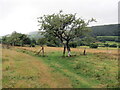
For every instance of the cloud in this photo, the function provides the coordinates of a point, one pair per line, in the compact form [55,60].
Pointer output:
[21,15]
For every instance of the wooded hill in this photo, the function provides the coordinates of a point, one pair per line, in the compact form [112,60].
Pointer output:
[102,30]
[35,34]
[105,30]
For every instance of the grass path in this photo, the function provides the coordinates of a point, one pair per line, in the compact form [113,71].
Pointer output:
[22,70]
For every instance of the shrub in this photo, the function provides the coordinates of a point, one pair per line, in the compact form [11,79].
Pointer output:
[32,45]
[51,45]
[106,45]
[107,38]
[113,45]
[73,44]
[93,45]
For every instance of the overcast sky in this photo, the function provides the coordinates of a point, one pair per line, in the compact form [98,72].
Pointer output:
[21,15]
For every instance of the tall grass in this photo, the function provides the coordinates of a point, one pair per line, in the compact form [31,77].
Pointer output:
[85,71]
[94,70]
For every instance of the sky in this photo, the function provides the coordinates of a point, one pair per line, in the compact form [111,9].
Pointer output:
[21,15]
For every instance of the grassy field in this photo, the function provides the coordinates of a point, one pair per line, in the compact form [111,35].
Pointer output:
[23,69]
[0,67]
[109,36]
[110,42]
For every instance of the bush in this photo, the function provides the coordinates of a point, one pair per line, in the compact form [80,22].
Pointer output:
[32,45]
[107,38]
[73,44]
[113,45]
[93,45]
[51,45]
[106,45]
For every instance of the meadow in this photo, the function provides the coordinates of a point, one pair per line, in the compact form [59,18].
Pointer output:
[0,67]
[21,68]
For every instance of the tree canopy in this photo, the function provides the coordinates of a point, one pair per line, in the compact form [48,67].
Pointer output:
[16,39]
[65,27]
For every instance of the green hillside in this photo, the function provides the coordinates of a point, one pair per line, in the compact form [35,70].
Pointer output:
[102,30]
[105,30]
[36,35]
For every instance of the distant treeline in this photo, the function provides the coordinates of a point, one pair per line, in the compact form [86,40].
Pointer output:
[108,38]
[99,34]
[105,30]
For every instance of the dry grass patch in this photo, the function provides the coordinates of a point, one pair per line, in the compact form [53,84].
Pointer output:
[29,72]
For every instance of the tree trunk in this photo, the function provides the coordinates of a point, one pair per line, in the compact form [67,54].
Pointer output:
[64,50]
[68,49]
[69,53]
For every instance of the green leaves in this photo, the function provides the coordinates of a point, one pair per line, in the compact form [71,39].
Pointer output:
[65,27]
[16,39]
[41,41]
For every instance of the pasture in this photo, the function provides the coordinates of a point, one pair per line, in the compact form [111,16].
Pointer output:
[21,68]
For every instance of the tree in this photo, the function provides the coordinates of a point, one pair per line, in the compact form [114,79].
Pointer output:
[5,42]
[33,41]
[87,40]
[52,41]
[16,39]
[65,27]
[23,39]
[26,40]
[93,45]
